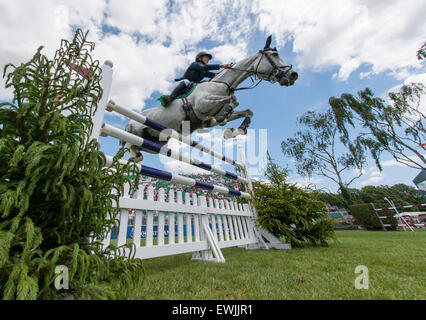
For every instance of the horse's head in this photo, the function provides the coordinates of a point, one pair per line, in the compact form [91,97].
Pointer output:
[271,67]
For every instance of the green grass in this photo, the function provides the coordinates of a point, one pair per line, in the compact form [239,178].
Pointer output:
[396,262]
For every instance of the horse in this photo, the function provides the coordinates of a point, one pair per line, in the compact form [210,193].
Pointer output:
[213,102]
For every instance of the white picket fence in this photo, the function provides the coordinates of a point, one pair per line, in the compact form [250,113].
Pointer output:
[184,224]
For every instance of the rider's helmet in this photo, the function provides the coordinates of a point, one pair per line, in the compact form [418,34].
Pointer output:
[201,54]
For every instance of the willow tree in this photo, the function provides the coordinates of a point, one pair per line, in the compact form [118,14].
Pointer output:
[421,53]
[315,150]
[396,126]
[55,192]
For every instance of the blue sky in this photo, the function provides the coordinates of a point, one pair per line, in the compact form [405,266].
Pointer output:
[335,46]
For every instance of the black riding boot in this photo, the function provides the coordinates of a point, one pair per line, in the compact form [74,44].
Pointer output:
[166,100]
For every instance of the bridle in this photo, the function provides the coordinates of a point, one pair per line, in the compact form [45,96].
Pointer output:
[276,70]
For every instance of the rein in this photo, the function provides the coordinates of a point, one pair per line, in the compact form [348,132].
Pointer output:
[232,90]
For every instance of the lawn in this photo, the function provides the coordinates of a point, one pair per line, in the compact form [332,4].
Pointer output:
[396,262]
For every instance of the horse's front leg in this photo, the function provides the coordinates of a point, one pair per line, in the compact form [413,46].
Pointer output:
[242,129]
[220,119]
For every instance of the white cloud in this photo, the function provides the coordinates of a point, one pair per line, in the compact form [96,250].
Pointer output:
[394,163]
[230,52]
[136,15]
[139,70]
[385,35]
[414,78]
[156,40]
[391,163]
[305,182]
[372,178]
[153,44]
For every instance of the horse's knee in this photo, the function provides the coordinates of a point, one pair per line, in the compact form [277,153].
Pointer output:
[235,101]
[224,113]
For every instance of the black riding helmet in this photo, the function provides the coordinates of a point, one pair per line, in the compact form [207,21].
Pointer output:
[201,54]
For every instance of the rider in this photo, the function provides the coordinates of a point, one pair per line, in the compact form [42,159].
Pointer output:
[196,72]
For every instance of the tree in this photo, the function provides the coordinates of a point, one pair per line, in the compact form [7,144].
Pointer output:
[401,193]
[335,200]
[315,151]
[55,193]
[289,211]
[397,128]
[421,53]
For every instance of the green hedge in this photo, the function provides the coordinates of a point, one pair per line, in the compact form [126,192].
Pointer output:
[367,217]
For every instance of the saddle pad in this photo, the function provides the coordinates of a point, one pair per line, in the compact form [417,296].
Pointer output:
[188,91]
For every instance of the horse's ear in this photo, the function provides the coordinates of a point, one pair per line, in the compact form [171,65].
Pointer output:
[268,42]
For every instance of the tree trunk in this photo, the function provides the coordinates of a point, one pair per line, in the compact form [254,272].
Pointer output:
[345,194]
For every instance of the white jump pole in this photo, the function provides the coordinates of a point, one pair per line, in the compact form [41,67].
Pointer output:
[105,83]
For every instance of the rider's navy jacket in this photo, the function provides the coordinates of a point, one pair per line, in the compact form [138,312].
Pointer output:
[197,71]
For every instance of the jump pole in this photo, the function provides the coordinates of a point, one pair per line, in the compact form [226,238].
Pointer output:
[108,130]
[167,132]
[168,176]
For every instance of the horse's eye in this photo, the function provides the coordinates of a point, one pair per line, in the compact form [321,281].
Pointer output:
[275,54]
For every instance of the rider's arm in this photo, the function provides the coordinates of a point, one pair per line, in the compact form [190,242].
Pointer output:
[210,74]
[204,67]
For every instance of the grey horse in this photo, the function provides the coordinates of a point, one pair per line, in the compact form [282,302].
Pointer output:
[213,103]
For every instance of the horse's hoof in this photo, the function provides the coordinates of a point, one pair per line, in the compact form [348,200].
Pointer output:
[204,130]
[232,133]
[228,134]
[242,131]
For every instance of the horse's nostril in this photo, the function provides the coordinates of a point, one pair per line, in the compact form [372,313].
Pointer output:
[294,75]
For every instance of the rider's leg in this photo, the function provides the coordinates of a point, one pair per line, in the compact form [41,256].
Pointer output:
[177,90]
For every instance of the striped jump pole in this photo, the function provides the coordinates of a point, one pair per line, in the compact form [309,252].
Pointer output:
[169,133]
[168,176]
[402,207]
[401,220]
[417,225]
[404,215]
[108,130]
